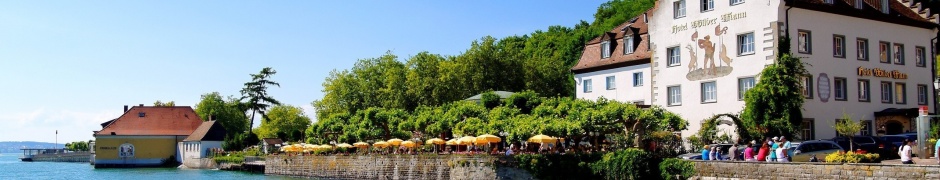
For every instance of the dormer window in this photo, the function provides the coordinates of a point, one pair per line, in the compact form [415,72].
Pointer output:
[884,7]
[859,4]
[628,44]
[605,49]
[829,1]
[141,114]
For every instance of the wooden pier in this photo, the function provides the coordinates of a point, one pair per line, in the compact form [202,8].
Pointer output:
[55,155]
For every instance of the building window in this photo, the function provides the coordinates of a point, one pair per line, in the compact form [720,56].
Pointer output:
[736,2]
[709,92]
[884,7]
[922,94]
[866,128]
[673,56]
[746,44]
[611,83]
[807,83]
[605,49]
[637,79]
[900,93]
[883,51]
[678,9]
[838,46]
[886,92]
[920,56]
[863,90]
[899,54]
[840,90]
[804,42]
[708,5]
[587,85]
[675,95]
[628,44]
[639,102]
[862,47]
[859,4]
[744,84]
[807,129]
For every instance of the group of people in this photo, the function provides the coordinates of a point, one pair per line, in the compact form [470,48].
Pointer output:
[776,149]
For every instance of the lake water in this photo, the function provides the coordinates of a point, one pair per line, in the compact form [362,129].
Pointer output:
[12,168]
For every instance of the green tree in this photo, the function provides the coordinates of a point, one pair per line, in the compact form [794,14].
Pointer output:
[77,146]
[285,122]
[256,92]
[847,127]
[229,113]
[774,106]
[159,103]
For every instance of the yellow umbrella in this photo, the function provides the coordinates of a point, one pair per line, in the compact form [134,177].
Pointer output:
[380,144]
[326,146]
[466,140]
[489,138]
[408,144]
[437,141]
[542,139]
[451,142]
[310,147]
[481,142]
[361,145]
[394,142]
[344,145]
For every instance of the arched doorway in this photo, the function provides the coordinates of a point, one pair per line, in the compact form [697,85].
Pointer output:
[894,127]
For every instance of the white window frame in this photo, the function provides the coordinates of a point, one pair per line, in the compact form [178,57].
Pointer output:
[708,5]
[898,53]
[673,56]
[866,128]
[587,86]
[922,94]
[839,87]
[637,79]
[709,92]
[838,46]
[674,95]
[920,55]
[864,90]
[861,46]
[605,49]
[628,44]
[736,2]
[744,84]
[886,95]
[678,9]
[611,82]
[746,44]
[804,41]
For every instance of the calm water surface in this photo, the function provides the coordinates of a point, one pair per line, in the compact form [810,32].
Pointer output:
[12,168]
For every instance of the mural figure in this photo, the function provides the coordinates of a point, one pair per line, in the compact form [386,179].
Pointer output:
[693,61]
[723,55]
[709,58]
[709,69]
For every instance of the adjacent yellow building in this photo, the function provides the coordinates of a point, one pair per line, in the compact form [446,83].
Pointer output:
[144,136]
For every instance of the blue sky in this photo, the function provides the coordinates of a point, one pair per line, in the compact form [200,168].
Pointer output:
[70,65]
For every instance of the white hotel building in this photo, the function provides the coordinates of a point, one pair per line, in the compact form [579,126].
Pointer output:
[868,58]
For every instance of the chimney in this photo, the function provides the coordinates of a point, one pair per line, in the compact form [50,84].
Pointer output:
[125,108]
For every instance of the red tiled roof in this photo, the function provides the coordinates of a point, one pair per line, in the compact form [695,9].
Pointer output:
[208,131]
[176,120]
[591,56]
[899,13]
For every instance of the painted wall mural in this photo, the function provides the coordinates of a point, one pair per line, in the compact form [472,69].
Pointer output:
[709,69]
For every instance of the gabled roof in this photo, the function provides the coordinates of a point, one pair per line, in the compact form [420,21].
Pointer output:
[272,141]
[208,131]
[898,13]
[637,27]
[154,121]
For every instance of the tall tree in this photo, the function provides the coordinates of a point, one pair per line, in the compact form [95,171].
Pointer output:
[285,122]
[775,105]
[230,114]
[256,92]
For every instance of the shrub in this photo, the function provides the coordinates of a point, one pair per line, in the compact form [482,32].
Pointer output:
[852,157]
[673,168]
[625,164]
[559,166]
[229,159]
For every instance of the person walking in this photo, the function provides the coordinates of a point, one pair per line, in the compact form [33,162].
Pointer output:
[762,153]
[749,153]
[705,153]
[905,152]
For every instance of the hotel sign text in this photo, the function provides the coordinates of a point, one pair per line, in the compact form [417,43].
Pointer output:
[708,21]
[878,72]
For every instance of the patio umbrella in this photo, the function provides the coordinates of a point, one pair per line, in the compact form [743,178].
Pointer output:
[344,145]
[361,145]
[310,147]
[437,141]
[542,139]
[380,144]
[489,138]
[408,144]
[466,140]
[451,142]
[394,142]
[327,147]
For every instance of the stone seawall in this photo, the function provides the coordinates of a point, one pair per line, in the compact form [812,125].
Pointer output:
[795,170]
[388,167]
[63,157]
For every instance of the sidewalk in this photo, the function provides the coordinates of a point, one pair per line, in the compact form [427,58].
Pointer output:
[917,161]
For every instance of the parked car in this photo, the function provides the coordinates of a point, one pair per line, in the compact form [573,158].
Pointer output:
[803,151]
[897,139]
[869,144]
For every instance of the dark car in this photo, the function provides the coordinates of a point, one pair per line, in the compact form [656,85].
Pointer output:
[897,139]
[867,143]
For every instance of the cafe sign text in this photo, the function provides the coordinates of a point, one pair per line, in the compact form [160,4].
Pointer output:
[878,72]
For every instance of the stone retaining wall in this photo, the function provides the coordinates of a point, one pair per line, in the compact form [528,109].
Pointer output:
[63,157]
[796,170]
[384,166]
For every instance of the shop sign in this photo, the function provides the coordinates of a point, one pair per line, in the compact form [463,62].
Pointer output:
[878,72]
